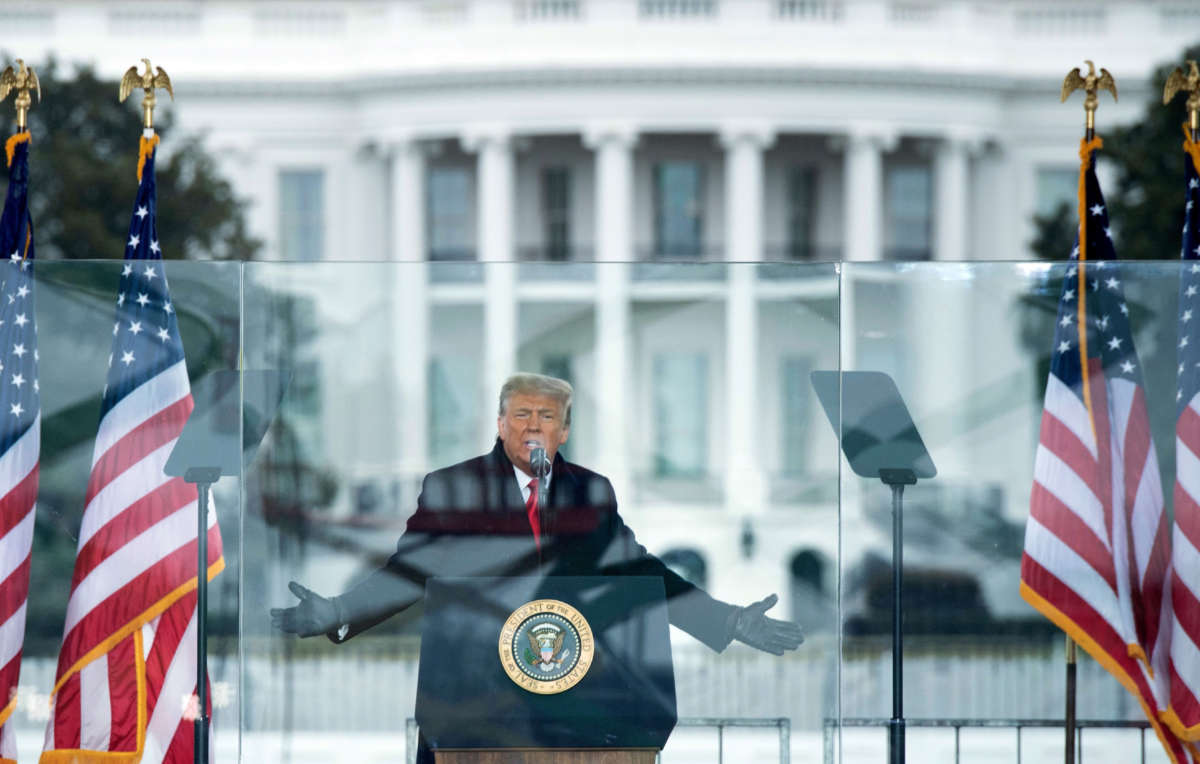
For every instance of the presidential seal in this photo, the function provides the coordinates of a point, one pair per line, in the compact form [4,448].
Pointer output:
[546,646]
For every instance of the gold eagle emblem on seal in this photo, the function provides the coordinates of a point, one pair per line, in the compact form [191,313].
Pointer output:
[546,646]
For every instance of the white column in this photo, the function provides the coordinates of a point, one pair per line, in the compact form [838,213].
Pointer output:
[745,482]
[952,189]
[613,145]
[410,304]
[744,145]
[862,190]
[408,200]
[495,181]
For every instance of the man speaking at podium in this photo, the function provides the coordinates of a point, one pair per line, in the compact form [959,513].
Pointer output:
[524,510]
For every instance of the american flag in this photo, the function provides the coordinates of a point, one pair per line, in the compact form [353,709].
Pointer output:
[1184,714]
[127,668]
[20,427]
[1096,543]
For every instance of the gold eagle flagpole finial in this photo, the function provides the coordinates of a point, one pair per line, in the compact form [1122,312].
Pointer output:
[1090,84]
[23,80]
[1190,84]
[148,81]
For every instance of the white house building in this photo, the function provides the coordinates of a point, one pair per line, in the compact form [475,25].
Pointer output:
[651,198]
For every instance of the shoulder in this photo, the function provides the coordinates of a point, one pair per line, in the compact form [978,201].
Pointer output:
[588,486]
[459,485]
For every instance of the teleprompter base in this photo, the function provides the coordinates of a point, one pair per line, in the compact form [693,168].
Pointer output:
[547,756]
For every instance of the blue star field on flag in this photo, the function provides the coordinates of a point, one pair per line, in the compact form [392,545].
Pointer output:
[1189,292]
[146,333]
[19,404]
[1109,333]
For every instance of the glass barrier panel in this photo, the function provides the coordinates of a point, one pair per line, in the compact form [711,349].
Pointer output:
[692,412]
[969,348]
[91,317]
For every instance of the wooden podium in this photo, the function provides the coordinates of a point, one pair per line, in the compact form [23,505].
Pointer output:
[548,756]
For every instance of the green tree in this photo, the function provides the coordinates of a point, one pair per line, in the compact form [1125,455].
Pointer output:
[83,174]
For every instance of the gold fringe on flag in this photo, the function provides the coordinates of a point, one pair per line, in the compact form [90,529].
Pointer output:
[1086,147]
[10,146]
[145,149]
[1191,147]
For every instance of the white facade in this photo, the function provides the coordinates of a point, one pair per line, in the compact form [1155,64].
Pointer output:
[365,99]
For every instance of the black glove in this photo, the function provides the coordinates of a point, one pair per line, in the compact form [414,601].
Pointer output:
[753,627]
[312,616]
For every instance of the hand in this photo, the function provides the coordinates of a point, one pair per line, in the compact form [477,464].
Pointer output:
[768,634]
[313,615]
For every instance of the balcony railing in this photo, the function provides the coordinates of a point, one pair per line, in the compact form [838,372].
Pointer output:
[449,265]
[802,252]
[907,253]
[548,253]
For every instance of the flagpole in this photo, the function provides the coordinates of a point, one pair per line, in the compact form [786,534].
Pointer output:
[1069,757]
[1089,83]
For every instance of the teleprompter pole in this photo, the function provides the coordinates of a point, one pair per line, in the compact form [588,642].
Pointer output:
[203,478]
[896,725]
[896,480]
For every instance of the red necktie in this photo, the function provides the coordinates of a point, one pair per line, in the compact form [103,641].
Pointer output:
[531,508]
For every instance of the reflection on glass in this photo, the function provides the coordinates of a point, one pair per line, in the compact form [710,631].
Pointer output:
[453,412]
[795,409]
[680,408]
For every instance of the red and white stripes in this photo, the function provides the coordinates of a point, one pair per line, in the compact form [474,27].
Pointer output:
[1096,547]
[18,495]
[1184,713]
[127,664]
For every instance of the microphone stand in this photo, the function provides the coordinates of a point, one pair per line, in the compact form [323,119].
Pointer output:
[541,470]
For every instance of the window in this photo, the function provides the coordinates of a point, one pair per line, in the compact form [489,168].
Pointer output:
[453,409]
[688,564]
[449,210]
[548,10]
[795,388]
[677,9]
[556,212]
[810,10]
[808,569]
[680,414]
[301,214]
[909,203]
[801,212]
[678,209]
[558,365]
[1056,186]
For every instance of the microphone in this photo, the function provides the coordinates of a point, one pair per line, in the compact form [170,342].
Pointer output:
[541,470]
[538,460]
